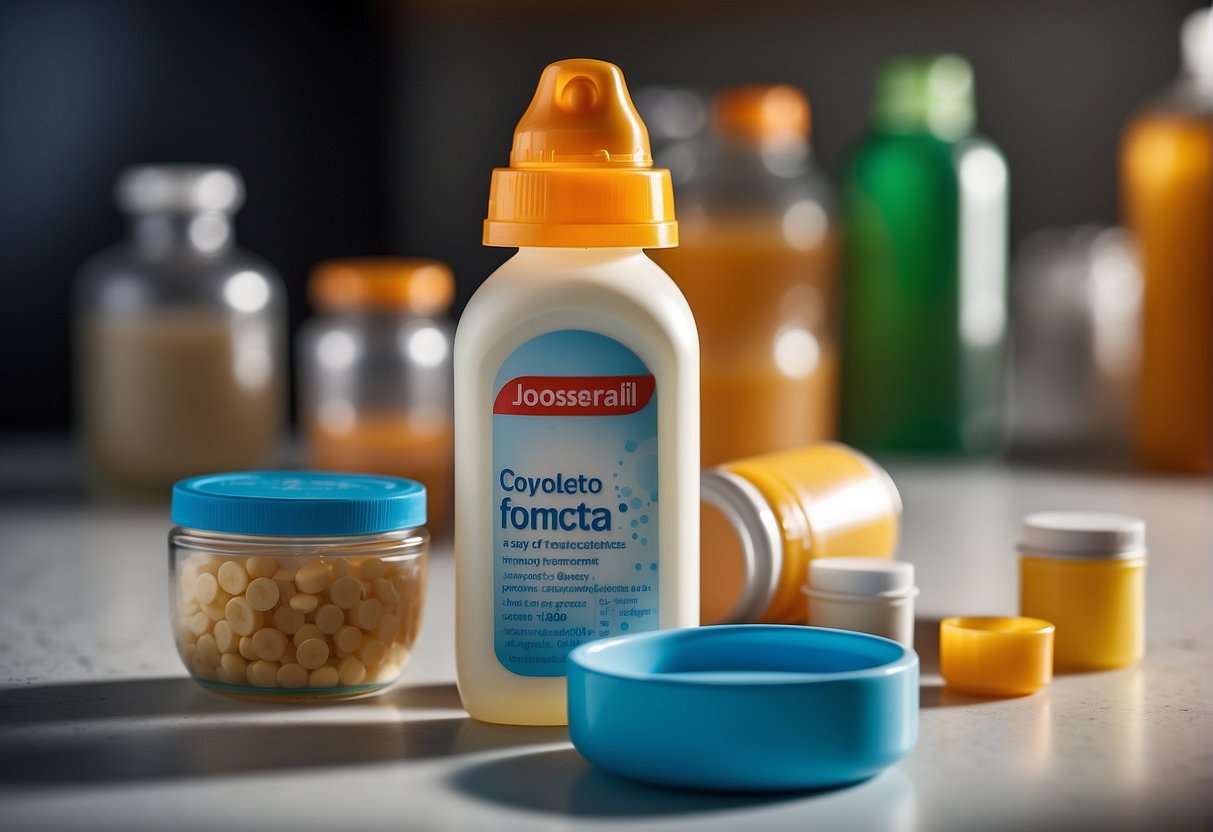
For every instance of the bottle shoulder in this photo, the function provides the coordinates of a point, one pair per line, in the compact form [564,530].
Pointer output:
[575,289]
[121,277]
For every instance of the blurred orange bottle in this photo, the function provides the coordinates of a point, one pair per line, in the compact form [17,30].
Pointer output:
[376,376]
[1167,181]
[756,262]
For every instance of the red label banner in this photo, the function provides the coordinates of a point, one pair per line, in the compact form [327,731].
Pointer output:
[574,395]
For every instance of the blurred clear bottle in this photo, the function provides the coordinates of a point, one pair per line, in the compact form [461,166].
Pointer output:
[925,213]
[1166,170]
[757,263]
[180,338]
[1075,318]
[375,375]
[677,118]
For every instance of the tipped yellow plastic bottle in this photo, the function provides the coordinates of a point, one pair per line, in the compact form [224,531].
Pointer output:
[576,407]
[1166,166]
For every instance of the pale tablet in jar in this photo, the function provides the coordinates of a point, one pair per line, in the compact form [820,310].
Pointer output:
[262,594]
[347,639]
[241,617]
[372,568]
[261,567]
[346,592]
[303,603]
[312,653]
[323,677]
[368,613]
[330,618]
[234,667]
[351,671]
[205,588]
[263,674]
[313,579]
[232,577]
[292,675]
[268,644]
[226,640]
[288,620]
[208,650]
[307,631]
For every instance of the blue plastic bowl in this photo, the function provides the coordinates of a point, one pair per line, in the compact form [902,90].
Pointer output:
[744,707]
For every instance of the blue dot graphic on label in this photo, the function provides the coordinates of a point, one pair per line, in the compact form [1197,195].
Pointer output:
[653,496]
[638,567]
[615,474]
[634,523]
[644,541]
[637,502]
[626,491]
[623,508]
[629,446]
[621,462]
[635,536]
[623,625]
[652,567]
[644,518]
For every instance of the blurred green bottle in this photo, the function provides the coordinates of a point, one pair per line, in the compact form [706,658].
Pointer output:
[925,218]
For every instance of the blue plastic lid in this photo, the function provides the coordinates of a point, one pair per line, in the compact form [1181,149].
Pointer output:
[298,503]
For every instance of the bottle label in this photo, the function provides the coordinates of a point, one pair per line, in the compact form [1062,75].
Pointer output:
[575,498]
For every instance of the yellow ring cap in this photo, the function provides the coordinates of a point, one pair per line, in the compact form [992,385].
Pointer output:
[996,656]
[412,284]
[581,171]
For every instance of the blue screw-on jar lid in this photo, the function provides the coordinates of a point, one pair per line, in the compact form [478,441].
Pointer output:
[298,503]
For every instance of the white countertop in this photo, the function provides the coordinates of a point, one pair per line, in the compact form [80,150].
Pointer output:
[101,728]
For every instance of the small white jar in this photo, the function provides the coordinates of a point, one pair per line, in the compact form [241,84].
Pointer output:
[868,595]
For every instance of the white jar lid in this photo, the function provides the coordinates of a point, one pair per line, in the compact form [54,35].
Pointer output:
[1083,534]
[861,576]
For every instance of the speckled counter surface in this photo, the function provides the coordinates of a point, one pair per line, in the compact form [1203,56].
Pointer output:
[100,728]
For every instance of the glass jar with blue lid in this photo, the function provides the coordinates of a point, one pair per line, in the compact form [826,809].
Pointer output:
[297,584]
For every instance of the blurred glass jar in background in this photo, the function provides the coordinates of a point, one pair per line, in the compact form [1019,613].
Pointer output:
[180,338]
[756,261]
[1166,170]
[925,212]
[1075,317]
[677,120]
[375,373]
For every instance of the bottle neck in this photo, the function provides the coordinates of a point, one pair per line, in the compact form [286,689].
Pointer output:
[205,233]
[586,256]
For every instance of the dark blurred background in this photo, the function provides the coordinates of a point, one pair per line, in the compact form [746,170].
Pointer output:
[371,127]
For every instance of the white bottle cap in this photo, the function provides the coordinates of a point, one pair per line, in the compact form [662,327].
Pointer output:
[861,576]
[1083,534]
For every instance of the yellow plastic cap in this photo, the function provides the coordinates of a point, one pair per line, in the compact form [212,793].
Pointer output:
[417,285]
[996,655]
[761,112]
[581,172]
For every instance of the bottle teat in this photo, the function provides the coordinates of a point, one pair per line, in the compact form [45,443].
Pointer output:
[581,172]
[581,115]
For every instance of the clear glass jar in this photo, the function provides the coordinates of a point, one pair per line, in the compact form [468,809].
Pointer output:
[757,262]
[376,383]
[297,584]
[180,338]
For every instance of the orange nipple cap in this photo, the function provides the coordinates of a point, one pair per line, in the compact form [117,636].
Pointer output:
[581,173]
